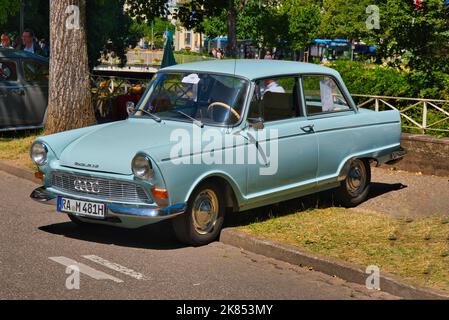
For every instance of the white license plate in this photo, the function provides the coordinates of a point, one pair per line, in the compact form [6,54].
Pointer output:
[82,208]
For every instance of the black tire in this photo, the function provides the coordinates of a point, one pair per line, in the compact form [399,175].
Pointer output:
[355,188]
[186,226]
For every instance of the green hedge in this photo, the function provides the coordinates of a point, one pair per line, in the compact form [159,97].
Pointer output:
[361,78]
[370,79]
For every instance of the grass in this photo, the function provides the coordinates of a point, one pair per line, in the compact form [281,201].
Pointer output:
[415,250]
[15,146]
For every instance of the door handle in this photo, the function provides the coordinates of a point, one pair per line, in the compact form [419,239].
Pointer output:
[308,129]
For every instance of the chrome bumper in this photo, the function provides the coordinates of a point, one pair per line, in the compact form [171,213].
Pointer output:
[116,210]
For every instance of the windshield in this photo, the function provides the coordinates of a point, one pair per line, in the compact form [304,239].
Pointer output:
[204,98]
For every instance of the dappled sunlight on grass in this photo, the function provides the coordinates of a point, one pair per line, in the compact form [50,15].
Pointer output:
[415,250]
[15,146]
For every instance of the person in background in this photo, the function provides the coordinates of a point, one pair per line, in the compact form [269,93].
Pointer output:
[220,54]
[6,42]
[270,85]
[29,44]
[214,52]
[268,56]
[44,47]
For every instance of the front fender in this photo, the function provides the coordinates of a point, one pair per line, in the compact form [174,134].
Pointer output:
[221,175]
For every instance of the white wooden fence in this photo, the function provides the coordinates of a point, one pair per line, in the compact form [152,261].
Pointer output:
[425,115]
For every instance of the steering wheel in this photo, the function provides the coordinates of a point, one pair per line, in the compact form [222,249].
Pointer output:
[224,105]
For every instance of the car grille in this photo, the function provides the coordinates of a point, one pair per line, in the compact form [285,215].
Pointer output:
[107,190]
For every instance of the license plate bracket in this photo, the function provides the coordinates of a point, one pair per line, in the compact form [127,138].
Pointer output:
[82,208]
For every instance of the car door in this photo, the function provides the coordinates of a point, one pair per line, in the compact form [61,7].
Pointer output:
[287,147]
[35,75]
[12,93]
[335,121]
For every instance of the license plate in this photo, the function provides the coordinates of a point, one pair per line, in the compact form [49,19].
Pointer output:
[82,208]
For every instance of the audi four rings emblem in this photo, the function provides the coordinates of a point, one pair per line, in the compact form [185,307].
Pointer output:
[87,186]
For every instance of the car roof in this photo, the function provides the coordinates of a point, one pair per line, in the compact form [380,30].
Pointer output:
[253,69]
[19,54]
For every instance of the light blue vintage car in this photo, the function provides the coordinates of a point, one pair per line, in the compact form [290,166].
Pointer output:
[211,137]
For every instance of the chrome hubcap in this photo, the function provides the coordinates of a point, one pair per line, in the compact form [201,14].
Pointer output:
[357,178]
[205,212]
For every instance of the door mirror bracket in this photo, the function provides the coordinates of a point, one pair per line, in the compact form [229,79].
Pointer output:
[256,123]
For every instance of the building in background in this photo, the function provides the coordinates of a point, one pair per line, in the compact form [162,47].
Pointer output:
[184,39]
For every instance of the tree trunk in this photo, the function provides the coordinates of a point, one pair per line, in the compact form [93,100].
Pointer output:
[70,101]
[232,30]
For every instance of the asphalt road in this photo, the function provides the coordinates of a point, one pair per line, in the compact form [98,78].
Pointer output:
[37,245]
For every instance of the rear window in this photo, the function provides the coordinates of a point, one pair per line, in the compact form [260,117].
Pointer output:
[323,96]
[8,71]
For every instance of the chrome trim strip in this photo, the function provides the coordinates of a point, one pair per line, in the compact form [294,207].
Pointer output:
[44,196]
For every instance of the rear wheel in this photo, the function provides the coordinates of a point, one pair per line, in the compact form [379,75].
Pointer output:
[202,222]
[355,188]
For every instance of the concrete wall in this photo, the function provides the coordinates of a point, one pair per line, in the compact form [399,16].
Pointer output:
[426,154]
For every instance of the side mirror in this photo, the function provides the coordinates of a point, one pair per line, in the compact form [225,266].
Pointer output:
[130,107]
[256,123]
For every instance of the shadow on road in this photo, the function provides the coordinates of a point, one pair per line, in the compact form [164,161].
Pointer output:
[379,189]
[161,237]
[156,237]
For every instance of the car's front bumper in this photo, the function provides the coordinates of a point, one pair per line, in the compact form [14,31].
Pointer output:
[117,210]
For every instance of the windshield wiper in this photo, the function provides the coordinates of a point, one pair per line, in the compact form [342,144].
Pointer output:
[195,121]
[153,116]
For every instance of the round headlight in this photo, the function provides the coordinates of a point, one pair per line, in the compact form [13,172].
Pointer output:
[39,153]
[142,167]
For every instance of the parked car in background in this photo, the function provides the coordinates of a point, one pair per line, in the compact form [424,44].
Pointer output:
[23,90]
[297,119]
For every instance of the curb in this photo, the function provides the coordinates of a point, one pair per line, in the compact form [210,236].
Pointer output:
[332,267]
[19,172]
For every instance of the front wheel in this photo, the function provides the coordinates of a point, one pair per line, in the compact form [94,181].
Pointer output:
[355,188]
[203,220]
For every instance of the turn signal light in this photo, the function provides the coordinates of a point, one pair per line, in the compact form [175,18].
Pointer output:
[160,194]
[39,175]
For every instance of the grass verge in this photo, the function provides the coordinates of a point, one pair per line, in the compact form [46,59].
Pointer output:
[415,250]
[14,147]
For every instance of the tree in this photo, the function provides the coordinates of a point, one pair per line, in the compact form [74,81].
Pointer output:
[70,101]
[214,27]
[416,39]
[264,22]
[345,19]
[160,25]
[192,14]
[109,30]
[7,8]
[304,18]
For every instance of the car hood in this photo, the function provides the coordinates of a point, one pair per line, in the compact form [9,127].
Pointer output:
[111,148]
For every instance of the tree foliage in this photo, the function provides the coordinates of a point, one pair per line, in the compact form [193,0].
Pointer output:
[160,25]
[304,18]
[36,17]
[7,8]
[109,29]
[262,22]
[345,19]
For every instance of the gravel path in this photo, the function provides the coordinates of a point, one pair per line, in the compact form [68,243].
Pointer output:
[404,194]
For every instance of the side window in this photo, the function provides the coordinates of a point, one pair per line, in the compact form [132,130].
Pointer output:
[276,99]
[8,71]
[35,71]
[323,95]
